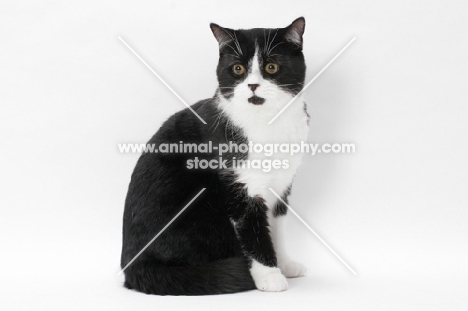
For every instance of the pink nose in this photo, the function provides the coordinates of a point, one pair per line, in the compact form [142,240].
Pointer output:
[253,87]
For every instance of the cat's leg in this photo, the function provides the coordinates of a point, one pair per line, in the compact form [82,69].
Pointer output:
[254,237]
[290,268]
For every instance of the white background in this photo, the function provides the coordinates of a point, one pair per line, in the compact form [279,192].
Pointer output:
[396,210]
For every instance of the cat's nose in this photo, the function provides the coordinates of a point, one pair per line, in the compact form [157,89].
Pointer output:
[253,87]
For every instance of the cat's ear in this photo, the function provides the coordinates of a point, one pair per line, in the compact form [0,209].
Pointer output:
[295,31]
[222,35]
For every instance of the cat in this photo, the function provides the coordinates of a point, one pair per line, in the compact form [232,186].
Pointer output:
[231,238]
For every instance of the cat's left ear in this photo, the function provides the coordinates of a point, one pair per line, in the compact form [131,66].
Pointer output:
[295,31]
[223,35]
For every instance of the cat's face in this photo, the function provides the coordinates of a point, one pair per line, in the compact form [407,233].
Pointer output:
[260,67]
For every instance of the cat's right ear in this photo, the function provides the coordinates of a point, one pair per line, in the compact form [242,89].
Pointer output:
[221,34]
[295,31]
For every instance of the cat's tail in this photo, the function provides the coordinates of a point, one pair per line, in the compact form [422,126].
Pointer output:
[224,276]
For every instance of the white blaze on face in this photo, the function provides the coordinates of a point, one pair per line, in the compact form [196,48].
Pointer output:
[255,76]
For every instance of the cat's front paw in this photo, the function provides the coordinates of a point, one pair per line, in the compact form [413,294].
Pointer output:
[268,279]
[272,282]
[292,269]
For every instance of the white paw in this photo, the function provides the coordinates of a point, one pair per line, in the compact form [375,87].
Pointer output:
[272,282]
[292,269]
[268,279]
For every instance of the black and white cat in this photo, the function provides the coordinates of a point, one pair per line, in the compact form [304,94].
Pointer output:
[231,238]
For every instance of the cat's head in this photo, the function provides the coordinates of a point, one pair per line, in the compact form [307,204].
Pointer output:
[260,67]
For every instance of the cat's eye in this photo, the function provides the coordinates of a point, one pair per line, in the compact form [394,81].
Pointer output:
[238,69]
[271,68]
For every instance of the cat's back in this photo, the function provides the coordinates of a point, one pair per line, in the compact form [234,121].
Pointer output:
[185,125]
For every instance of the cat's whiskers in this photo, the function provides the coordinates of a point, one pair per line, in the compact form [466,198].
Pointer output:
[290,84]
[217,120]
[221,113]
[277,103]
[297,88]
[232,55]
[238,56]
[236,42]
[268,40]
[272,40]
[271,50]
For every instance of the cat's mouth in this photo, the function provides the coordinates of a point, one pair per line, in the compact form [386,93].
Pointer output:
[256,100]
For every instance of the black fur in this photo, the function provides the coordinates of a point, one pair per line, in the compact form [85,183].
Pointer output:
[281,209]
[201,253]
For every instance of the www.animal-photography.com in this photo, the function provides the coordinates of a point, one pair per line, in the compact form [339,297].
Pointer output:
[234,155]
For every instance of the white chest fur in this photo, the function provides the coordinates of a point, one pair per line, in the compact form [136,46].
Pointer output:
[289,128]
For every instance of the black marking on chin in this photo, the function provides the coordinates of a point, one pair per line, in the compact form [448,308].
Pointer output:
[256,100]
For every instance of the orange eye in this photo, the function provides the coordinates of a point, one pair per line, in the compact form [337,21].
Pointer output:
[238,69]
[271,68]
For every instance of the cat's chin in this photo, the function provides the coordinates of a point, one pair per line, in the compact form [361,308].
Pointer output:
[256,100]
